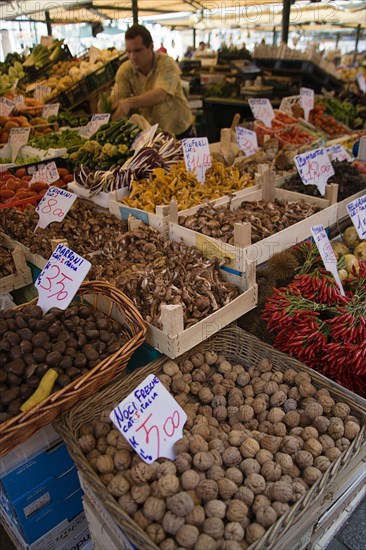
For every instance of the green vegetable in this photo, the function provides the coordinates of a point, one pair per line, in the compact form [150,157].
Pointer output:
[67,138]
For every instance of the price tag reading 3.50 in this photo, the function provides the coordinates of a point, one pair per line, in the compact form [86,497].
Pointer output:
[60,279]
[150,419]
[54,206]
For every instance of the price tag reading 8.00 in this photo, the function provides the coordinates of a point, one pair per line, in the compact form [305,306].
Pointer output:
[150,419]
[54,206]
[197,156]
[60,279]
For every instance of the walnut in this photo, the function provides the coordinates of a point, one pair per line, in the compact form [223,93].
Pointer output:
[266,427]
[259,405]
[224,366]
[215,508]
[205,395]
[204,542]
[231,456]
[304,459]
[275,415]
[258,385]
[248,391]
[278,398]
[207,489]
[289,376]
[215,473]
[321,423]
[245,494]
[165,468]
[259,502]
[154,509]
[294,394]
[271,471]
[254,532]
[128,503]
[233,532]
[351,430]
[341,410]
[263,456]
[235,397]
[307,389]
[309,433]
[140,492]
[311,475]
[141,473]
[302,378]
[227,488]
[197,359]
[214,527]
[101,430]
[326,442]
[313,410]
[199,375]
[180,504]
[141,520]
[281,491]
[236,510]
[271,443]
[322,463]
[183,462]
[326,402]
[298,489]
[155,532]
[343,443]
[237,437]
[220,413]
[336,428]
[290,444]
[289,405]
[243,379]
[168,544]
[93,454]
[195,387]
[203,461]
[189,479]
[266,516]
[249,448]
[256,483]
[187,535]
[235,475]
[167,485]
[285,461]
[250,466]
[279,429]
[196,517]
[296,431]
[333,454]
[104,464]
[87,443]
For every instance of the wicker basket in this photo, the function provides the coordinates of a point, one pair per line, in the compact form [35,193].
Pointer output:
[112,302]
[243,348]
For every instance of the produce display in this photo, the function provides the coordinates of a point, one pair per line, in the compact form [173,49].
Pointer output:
[33,344]
[312,321]
[109,146]
[68,119]
[11,73]
[255,441]
[178,184]
[325,122]
[67,138]
[266,218]
[347,176]
[7,265]
[41,56]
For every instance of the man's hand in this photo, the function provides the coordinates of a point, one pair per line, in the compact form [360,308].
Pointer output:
[123,109]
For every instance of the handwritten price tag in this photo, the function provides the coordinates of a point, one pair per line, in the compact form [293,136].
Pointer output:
[40,92]
[19,101]
[144,137]
[47,173]
[54,206]
[337,152]
[6,106]
[315,168]
[150,419]
[96,122]
[60,279]
[361,82]
[327,253]
[197,156]
[247,140]
[357,211]
[17,138]
[307,101]
[262,110]
[50,110]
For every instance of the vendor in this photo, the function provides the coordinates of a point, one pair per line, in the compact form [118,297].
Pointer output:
[149,83]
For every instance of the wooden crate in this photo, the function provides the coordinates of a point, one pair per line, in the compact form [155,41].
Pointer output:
[22,275]
[35,259]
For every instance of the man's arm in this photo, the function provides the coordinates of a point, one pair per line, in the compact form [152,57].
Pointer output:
[147,99]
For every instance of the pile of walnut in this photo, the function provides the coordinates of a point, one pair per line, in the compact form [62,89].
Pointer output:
[7,266]
[266,218]
[254,443]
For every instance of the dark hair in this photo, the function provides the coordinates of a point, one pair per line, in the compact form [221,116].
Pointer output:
[139,30]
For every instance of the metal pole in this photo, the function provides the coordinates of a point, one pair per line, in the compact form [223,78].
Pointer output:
[285,20]
[358,32]
[274,40]
[48,23]
[135,12]
[194,38]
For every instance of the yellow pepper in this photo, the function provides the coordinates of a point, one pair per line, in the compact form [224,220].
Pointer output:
[44,389]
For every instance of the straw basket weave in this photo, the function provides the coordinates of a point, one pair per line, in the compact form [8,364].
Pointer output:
[241,347]
[103,297]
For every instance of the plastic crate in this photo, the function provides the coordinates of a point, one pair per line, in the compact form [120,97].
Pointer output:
[100,77]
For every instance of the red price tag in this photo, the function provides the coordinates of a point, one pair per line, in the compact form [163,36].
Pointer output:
[60,279]
[150,419]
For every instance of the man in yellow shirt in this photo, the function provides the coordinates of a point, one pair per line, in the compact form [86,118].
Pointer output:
[149,83]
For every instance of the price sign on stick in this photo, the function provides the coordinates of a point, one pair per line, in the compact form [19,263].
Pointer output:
[144,137]
[6,106]
[197,156]
[47,173]
[357,211]
[96,122]
[337,152]
[327,253]
[54,206]
[307,101]
[315,168]
[247,140]
[150,419]
[19,101]
[361,82]
[262,110]
[17,138]
[60,279]
[40,92]
[51,109]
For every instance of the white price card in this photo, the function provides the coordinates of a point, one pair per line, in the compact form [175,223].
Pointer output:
[361,82]
[6,106]
[40,92]
[19,101]
[315,168]
[93,126]
[17,138]
[144,137]
[247,140]
[51,109]
[327,253]
[54,206]
[150,419]
[357,211]
[47,173]
[288,102]
[262,110]
[197,156]
[338,152]
[60,278]
[307,101]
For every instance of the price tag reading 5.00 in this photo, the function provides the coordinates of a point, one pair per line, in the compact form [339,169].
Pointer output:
[54,206]
[150,419]
[60,279]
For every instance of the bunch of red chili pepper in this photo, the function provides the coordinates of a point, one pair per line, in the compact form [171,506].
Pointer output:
[315,323]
